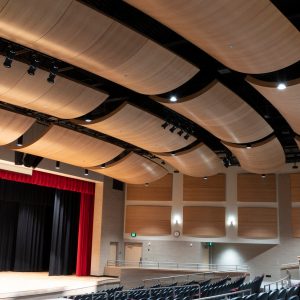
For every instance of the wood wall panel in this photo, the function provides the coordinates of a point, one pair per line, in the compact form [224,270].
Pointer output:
[133,169]
[248,36]
[148,220]
[204,221]
[295,187]
[82,36]
[296,222]
[255,188]
[263,158]
[159,190]
[257,222]
[223,113]
[199,189]
[198,162]
[140,128]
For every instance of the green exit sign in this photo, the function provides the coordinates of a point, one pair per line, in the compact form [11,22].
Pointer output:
[133,234]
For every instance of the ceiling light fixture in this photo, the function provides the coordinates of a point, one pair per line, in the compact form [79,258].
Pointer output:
[248,146]
[180,132]
[20,141]
[205,177]
[86,172]
[9,57]
[53,73]
[33,65]
[186,137]
[295,165]
[173,128]
[281,86]
[57,165]
[263,175]
[102,166]
[87,120]
[173,99]
[165,125]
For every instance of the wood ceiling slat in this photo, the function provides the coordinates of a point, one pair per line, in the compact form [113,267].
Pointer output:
[88,39]
[247,36]
[140,128]
[64,99]
[223,113]
[12,126]
[72,147]
[265,157]
[286,101]
[197,162]
[134,169]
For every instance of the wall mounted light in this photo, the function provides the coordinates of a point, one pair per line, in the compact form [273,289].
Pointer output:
[231,221]
[177,219]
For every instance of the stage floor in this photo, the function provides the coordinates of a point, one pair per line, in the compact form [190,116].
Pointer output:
[39,285]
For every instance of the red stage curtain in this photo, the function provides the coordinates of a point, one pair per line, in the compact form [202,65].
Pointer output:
[87,190]
[85,235]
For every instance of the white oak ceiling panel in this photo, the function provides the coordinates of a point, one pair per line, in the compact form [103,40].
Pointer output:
[223,113]
[65,99]
[286,101]
[140,128]
[247,36]
[134,169]
[72,147]
[73,32]
[262,158]
[197,162]
[12,126]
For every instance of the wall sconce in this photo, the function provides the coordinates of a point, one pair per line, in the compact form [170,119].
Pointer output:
[231,221]
[177,219]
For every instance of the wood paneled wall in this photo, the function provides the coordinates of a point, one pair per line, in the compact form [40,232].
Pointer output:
[148,220]
[159,190]
[199,189]
[255,188]
[295,187]
[257,222]
[204,221]
[296,222]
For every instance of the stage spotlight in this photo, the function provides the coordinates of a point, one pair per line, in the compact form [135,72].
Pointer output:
[88,120]
[9,58]
[205,177]
[295,166]
[57,165]
[52,74]
[248,146]
[33,66]
[102,166]
[86,172]
[20,141]
[180,132]
[173,128]
[173,98]
[281,86]
[186,137]
[165,125]
[263,175]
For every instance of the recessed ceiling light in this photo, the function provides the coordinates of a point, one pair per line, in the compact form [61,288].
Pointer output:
[248,146]
[173,99]
[205,177]
[88,120]
[263,175]
[281,86]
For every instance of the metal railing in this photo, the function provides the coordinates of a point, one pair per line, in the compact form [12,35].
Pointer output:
[228,295]
[177,266]
[281,283]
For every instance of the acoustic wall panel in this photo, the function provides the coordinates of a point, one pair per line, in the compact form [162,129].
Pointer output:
[296,222]
[295,187]
[148,220]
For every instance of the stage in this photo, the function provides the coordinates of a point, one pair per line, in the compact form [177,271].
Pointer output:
[38,285]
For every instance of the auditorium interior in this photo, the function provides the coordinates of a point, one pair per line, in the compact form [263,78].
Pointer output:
[149,140]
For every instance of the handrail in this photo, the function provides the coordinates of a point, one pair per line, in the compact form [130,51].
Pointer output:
[225,296]
[175,265]
[284,282]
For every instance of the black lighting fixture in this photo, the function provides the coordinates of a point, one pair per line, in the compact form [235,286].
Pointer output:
[248,146]
[205,177]
[227,161]
[173,128]
[186,137]
[57,165]
[263,175]
[53,73]
[165,125]
[86,172]
[20,141]
[33,65]
[102,166]
[10,54]
[162,162]
[295,165]
[180,132]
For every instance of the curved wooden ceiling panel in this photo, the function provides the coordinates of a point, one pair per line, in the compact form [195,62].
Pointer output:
[72,147]
[247,36]
[65,99]
[12,126]
[286,101]
[134,169]
[262,158]
[197,162]
[140,128]
[81,36]
[224,114]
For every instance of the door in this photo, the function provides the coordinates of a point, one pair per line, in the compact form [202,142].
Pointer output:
[113,252]
[133,254]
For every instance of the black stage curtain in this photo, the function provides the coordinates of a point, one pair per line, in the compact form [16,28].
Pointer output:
[27,218]
[64,233]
